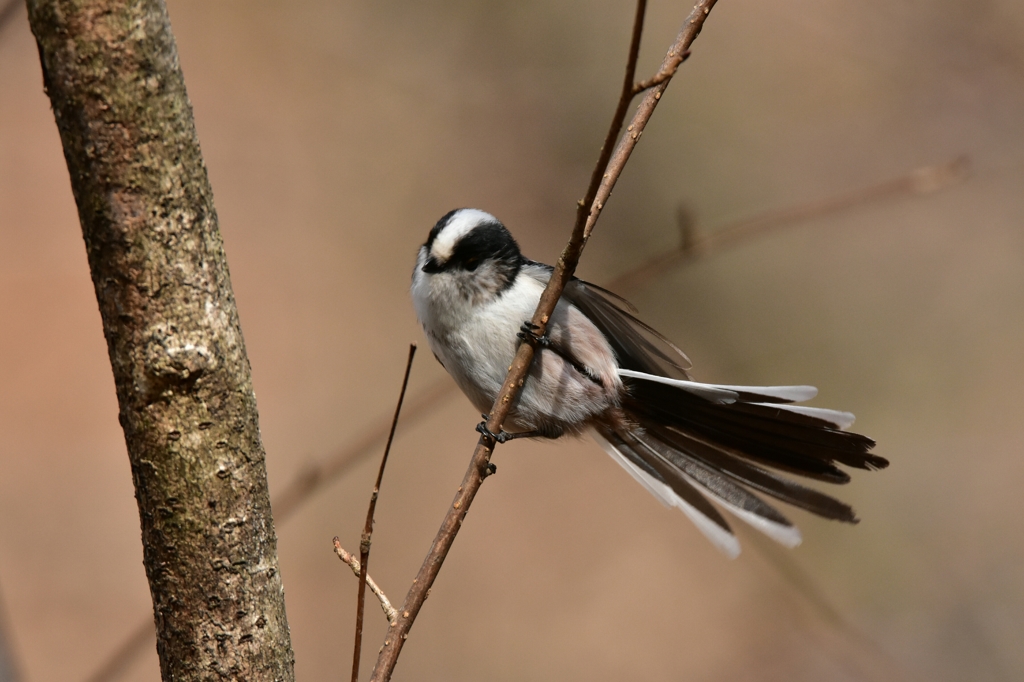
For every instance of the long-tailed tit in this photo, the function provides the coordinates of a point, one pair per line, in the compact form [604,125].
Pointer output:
[600,369]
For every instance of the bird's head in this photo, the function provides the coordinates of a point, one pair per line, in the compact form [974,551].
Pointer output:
[470,254]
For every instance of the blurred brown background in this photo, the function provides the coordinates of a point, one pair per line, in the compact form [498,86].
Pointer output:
[336,133]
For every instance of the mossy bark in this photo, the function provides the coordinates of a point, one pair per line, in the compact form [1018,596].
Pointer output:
[182,376]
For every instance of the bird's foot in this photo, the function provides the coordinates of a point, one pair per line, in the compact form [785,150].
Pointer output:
[500,437]
[528,333]
[503,436]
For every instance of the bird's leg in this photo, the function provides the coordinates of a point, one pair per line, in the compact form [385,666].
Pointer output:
[504,436]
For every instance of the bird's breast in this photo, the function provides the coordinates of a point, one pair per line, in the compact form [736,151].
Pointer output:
[477,344]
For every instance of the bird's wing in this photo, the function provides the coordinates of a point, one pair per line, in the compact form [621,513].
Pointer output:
[690,440]
[637,346]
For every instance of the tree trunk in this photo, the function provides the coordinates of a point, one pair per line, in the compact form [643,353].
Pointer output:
[182,376]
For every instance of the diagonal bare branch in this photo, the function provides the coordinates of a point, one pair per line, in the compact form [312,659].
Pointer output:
[604,179]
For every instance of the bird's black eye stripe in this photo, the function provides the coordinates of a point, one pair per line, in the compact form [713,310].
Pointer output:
[487,241]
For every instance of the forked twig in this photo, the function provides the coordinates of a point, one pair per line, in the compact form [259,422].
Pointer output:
[603,180]
[661,77]
[389,611]
[364,543]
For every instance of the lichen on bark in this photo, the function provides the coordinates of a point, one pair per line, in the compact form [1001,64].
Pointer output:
[182,377]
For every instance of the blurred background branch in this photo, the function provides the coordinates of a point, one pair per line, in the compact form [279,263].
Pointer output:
[8,11]
[695,244]
[9,669]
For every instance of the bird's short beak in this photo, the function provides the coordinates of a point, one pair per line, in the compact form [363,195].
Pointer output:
[432,266]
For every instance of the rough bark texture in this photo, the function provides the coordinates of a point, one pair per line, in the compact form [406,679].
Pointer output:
[182,376]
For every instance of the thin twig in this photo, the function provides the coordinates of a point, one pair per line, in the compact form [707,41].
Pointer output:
[625,97]
[587,215]
[364,543]
[389,611]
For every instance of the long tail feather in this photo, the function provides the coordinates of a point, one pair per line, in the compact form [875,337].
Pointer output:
[736,499]
[688,442]
[669,487]
[773,434]
[730,394]
[733,465]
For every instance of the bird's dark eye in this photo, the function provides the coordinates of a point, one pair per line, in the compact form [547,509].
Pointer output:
[472,263]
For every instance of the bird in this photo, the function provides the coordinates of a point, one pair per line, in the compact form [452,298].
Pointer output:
[599,369]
